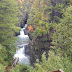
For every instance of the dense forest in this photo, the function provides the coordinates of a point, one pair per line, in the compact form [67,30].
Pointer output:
[49,26]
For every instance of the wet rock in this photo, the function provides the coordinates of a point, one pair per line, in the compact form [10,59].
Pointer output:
[16,34]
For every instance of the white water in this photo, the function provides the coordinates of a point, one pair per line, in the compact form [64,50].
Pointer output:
[20,53]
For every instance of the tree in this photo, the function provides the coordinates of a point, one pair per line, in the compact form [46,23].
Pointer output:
[8,26]
[54,62]
[62,36]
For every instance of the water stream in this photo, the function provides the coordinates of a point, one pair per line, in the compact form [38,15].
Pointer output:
[23,40]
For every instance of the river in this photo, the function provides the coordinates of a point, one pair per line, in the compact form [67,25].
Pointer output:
[23,40]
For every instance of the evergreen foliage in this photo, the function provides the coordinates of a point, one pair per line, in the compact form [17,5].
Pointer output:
[22,68]
[62,36]
[52,20]
[54,62]
[8,27]
[50,30]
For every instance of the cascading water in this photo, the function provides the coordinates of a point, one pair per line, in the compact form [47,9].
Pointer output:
[21,43]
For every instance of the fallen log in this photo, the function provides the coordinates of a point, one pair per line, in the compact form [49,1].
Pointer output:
[8,68]
[15,61]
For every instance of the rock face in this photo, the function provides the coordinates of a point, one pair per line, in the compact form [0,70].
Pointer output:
[16,34]
[23,19]
[26,31]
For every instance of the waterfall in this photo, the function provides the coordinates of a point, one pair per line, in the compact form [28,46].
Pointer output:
[21,43]
[22,32]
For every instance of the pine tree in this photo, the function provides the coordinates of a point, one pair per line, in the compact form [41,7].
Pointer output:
[8,26]
[62,36]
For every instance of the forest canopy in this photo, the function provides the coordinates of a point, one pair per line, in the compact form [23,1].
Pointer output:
[8,26]
[49,26]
